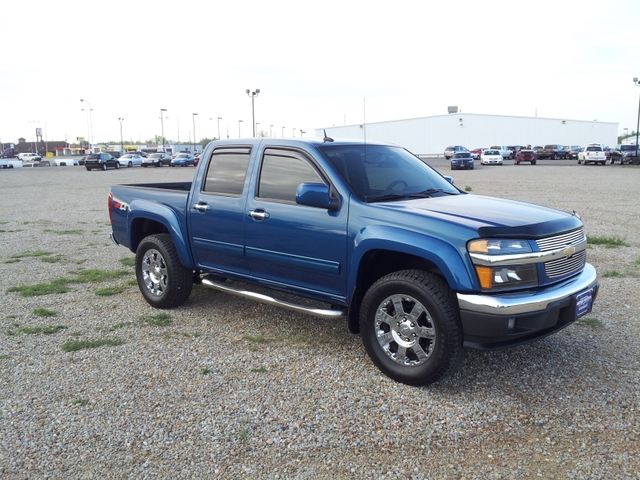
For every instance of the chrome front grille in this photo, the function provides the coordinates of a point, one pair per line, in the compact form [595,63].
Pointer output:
[567,265]
[571,238]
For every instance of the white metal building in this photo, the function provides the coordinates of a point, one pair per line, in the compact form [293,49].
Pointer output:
[431,135]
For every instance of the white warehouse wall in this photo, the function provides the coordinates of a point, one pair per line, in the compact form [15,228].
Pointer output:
[431,135]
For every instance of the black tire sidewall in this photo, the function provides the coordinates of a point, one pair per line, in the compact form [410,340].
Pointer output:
[180,280]
[437,298]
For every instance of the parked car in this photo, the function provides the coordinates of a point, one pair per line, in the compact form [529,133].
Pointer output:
[462,160]
[552,151]
[451,149]
[628,152]
[101,161]
[29,157]
[182,159]
[196,159]
[592,153]
[156,160]
[476,152]
[130,159]
[525,155]
[616,155]
[505,151]
[572,151]
[491,157]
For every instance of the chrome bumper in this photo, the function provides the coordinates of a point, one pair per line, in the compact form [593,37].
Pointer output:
[518,303]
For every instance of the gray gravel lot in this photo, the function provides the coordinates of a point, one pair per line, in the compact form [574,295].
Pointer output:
[228,388]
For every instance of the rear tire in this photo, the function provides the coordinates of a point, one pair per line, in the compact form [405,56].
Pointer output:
[410,326]
[163,281]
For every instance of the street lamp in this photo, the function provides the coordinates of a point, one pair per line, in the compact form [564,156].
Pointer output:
[635,80]
[283,131]
[90,119]
[162,126]
[239,131]
[121,141]
[193,116]
[302,132]
[258,123]
[271,130]
[253,95]
[293,132]
[219,118]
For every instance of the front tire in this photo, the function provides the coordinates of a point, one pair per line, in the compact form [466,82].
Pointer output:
[410,327]
[130,164]
[104,167]
[163,281]
[117,165]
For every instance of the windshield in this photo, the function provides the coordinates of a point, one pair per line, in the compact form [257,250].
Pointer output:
[374,172]
[628,148]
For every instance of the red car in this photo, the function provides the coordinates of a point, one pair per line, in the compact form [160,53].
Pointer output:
[476,152]
[525,155]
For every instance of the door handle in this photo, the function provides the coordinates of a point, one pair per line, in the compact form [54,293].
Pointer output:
[259,215]
[202,207]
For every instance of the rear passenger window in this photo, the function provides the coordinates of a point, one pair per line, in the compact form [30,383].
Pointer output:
[226,171]
[281,174]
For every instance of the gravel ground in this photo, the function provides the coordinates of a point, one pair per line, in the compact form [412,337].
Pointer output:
[229,388]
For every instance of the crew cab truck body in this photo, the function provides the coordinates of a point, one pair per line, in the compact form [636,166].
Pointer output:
[369,233]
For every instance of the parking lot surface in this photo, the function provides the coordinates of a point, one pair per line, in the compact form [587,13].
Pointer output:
[226,388]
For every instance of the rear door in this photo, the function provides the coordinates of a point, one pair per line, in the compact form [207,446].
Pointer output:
[217,212]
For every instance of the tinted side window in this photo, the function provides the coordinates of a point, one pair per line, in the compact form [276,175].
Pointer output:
[282,173]
[226,171]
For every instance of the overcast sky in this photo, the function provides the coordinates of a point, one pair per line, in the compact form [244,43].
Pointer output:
[317,64]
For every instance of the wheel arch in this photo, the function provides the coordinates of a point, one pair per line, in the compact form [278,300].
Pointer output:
[376,258]
[147,218]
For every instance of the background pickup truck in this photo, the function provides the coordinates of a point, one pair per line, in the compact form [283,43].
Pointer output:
[368,233]
[553,152]
[592,153]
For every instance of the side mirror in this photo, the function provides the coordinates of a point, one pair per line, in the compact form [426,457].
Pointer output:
[449,179]
[316,195]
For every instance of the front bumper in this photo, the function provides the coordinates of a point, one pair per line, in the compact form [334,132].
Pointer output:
[492,322]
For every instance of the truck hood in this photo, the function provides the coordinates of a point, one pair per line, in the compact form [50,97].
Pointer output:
[493,217]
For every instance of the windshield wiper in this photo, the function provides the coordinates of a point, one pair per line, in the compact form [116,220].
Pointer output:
[397,196]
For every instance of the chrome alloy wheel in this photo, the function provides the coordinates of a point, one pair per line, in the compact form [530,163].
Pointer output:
[405,330]
[154,272]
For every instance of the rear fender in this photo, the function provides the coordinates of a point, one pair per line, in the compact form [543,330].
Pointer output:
[160,214]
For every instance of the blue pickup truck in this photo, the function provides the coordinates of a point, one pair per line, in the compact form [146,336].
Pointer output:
[366,232]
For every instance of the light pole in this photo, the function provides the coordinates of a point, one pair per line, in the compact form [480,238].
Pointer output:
[253,95]
[90,120]
[271,130]
[162,110]
[293,132]
[257,129]
[637,83]
[302,132]
[239,130]
[193,116]
[283,131]
[121,140]
[219,118]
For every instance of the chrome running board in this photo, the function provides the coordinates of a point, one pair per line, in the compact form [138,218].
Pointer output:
[211,282]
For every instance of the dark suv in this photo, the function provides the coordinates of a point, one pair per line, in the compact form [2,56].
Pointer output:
[101,161]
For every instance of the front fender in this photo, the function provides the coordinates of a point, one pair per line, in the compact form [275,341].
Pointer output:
[155,212]
[449,259]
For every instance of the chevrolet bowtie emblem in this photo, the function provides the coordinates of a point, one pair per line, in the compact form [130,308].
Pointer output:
[569,251]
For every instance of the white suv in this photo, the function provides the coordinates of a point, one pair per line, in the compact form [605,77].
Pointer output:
[29,157]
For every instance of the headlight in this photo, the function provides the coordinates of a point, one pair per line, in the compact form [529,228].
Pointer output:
[499,246]
[497,264]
